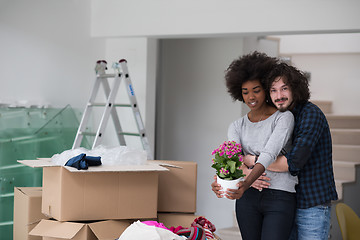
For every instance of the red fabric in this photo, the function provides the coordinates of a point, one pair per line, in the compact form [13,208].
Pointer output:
[176,229]
[199,229]
[203,222]
[208,227]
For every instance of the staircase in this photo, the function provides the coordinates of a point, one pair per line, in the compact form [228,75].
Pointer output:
[345,133]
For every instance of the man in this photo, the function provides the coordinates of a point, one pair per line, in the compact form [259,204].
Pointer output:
[310,158]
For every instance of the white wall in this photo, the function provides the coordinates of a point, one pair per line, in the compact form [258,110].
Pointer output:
[48,57]
[195,110]
[190,88]
[47,54]
[339,43]
[333,61]
[162,18]
[141,56]
[334,77]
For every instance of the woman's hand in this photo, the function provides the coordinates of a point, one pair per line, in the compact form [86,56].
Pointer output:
[217,189]
[237,193]
[259,184]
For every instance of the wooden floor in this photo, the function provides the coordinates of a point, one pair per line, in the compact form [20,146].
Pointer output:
[231,233]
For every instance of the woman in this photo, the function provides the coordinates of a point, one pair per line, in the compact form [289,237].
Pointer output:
[263,132]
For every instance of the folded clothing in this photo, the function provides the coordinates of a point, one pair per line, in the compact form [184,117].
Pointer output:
[82,161]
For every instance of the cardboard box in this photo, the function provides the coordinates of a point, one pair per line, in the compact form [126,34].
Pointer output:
[99,193]
[27,211]
[177,187]
[104,230]
[177,219]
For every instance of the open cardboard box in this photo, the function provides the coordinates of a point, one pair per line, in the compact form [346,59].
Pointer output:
[103,230]
[177,219]
[99,193]
[177,187]
[27,211]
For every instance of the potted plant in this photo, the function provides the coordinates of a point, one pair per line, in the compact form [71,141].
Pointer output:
[227,161]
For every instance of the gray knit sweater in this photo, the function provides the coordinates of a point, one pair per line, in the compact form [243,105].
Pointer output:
[267,138]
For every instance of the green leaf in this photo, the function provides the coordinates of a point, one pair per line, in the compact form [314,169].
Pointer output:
[238,174]
[232,166]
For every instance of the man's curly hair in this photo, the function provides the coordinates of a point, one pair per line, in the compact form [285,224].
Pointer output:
[253,66]
[295,79]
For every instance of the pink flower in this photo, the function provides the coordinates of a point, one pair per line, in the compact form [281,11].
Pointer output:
[225,161]
[224,171]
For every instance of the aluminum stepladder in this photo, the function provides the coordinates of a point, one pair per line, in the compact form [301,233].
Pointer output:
[121,73]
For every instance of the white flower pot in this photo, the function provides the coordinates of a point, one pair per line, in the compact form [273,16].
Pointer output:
[228,184]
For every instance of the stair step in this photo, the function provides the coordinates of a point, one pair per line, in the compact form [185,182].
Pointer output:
[349,153]
[325,106]
[345,136]
[345,170]
[339,186]
[339,121]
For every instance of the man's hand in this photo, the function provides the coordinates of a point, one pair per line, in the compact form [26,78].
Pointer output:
[280,165]
[249,160]
[217,189]
[261,183]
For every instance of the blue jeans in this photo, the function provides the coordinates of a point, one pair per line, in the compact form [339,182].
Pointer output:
[265,215]
[312,223]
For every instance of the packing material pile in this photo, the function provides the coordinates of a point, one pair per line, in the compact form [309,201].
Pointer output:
[111,200]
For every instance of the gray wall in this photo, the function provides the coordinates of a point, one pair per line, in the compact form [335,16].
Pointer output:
[194,111]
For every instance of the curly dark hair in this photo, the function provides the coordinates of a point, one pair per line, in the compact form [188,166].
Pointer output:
[295,79]
[253,66]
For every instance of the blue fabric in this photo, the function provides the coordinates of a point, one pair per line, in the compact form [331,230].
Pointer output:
[82,161]
[311,157]
[265,215]
[312,223]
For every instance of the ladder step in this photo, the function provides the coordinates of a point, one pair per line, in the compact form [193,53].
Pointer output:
[106,75]
[110,107]
[129,134]
[122,105]
[88,133]
[104,104]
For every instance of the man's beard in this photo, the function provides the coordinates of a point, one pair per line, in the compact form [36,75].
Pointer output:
[281,108]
